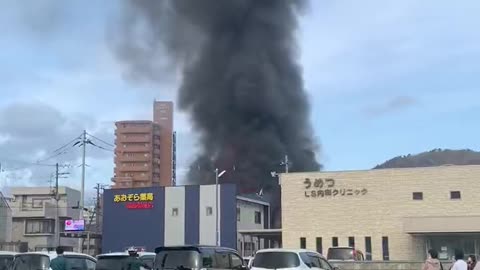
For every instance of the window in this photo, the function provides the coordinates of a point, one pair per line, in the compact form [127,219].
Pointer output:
[236,262]
[386,252]
[351,241]
[417,196]
[319,245]
[38,203]
[303,242]
[40,226]
[334,241]
[311,260]
[209,211]
[276,260]
[238,214]
[174,212]
[258,217]
[368,248]
[222,260]
[455,195]
[325,265]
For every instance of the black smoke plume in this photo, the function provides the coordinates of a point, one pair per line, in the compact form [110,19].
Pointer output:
[240,81]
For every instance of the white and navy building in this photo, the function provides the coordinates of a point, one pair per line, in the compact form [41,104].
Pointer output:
[181,215]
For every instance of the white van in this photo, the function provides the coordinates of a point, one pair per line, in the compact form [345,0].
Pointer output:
[6,259]
[41,261]
[292,259]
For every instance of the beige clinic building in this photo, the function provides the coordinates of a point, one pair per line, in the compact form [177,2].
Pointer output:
[388,214]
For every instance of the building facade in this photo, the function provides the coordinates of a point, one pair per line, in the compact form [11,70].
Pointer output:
[167,216]
[34,214]
[389,214]
[253,213]
[144,150]
[163,118]
[5,220]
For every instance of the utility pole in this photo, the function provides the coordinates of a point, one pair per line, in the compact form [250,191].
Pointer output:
[217,213]
[82,191]
[57,214]
[217,232]
[285,163]
[57,210]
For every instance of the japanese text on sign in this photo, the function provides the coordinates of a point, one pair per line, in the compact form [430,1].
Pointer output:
[325,187]
[142,197]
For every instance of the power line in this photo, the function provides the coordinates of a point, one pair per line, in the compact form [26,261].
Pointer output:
[67,144]
[63,149]
[109,144]
[99,147]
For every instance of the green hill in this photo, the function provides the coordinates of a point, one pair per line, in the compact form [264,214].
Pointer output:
[435,157]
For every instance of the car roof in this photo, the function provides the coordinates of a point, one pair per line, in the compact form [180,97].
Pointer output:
[297,251]
[52,255]
[3,253]
[192,247]
[117,254]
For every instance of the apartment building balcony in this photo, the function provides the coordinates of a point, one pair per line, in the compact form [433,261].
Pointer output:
[137,158]
[133,129]
[126,148]
[130,169]
[135,139]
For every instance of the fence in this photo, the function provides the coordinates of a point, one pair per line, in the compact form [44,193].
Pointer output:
[384,265]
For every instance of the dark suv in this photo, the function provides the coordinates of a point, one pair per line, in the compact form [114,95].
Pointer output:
[344,254]
[197,257]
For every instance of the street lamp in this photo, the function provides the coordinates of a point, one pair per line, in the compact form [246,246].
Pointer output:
[217,231]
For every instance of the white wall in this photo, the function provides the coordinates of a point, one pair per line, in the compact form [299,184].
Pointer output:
[247,222]
[247,215]
[207,223]
[174,225]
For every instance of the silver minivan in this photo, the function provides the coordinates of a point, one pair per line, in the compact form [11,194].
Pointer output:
[197,257]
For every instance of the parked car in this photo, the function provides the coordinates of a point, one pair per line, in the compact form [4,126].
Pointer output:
[6,259]
[344,254]
[41,261]
[289,258]
[197,257]
[118,260]
[247,261]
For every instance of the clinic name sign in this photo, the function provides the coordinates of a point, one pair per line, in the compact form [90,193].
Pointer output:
[326,188]
[135,201]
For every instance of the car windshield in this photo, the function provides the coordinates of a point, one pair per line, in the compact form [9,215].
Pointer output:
[275,260]
[343,254]
[148,260]
[31,262]
[111,263]
[5,261]
[172,259]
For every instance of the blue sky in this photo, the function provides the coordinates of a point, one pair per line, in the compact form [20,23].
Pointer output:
[385,78]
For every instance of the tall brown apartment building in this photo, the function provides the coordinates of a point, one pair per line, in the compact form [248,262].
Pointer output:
[144,153]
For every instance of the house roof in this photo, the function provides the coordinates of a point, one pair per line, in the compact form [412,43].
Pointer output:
[253,197]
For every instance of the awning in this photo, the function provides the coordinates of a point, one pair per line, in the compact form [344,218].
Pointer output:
[446,224]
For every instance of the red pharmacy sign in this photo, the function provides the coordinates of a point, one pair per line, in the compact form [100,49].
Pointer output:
[139,205]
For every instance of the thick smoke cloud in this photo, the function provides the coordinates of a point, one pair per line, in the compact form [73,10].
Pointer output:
[241,83]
